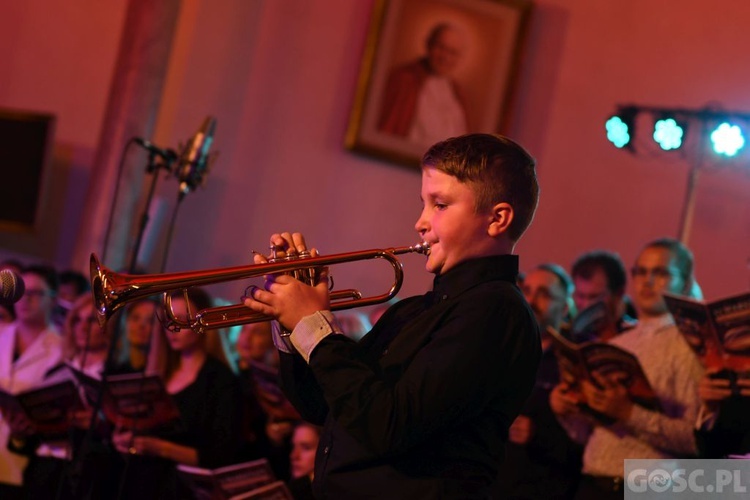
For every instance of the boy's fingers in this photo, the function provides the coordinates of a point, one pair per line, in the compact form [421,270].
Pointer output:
[298,241]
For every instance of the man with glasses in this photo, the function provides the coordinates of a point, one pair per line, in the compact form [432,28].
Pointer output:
[599,277]
[29,347]
[664,265]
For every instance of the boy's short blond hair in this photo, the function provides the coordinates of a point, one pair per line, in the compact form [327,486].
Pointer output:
[496,168]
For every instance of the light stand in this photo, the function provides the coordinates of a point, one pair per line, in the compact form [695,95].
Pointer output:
[621,131]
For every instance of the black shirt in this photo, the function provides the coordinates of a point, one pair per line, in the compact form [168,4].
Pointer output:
[420,407]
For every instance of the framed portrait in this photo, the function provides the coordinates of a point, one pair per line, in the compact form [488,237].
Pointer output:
[434,69]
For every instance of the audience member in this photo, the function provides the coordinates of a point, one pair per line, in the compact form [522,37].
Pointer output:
[71,285]
[268,414]
[600,278]
[140,325]
[305,438]
[723,425]
[207,394]
[255,346]
[541,461]
[29,347]
[49,475]
[664,265]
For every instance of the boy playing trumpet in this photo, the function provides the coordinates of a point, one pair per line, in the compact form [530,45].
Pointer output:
[420,407]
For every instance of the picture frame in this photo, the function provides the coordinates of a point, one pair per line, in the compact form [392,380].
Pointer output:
[434,69]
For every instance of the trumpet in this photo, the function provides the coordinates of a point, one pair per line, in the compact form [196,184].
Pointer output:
[113,290]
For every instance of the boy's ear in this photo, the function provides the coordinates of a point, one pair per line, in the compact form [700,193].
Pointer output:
[502,217]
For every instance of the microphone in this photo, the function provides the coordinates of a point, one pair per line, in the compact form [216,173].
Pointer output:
[193,163]
[169,155]
[11,287]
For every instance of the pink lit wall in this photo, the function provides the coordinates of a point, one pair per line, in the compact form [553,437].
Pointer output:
[58,57]
[280,77]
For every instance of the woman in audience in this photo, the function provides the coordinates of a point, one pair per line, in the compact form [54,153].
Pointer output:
[255,346]
[196,373]
[85,344]
[49,472]
[139,326]
[302,459]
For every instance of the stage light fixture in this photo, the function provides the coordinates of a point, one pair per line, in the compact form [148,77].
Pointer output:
[727,139]
[620,128]
[668,133]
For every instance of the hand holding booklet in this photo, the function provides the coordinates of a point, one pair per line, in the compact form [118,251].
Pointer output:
[48,408]
[595,361]
[717,331]
[50,405]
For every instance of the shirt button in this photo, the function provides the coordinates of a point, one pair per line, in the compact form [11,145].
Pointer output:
[445,297]
[326,450]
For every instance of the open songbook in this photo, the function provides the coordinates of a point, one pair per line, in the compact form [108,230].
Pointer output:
[133,401]
[49,408]
[50,405]
[593,360]
[248,480]
[138,402]
[717,331]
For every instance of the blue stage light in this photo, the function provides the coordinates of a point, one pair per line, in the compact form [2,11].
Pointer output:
[727,139]
[619,131]
[668,134]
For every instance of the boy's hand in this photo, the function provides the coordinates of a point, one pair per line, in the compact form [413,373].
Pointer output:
[286,298]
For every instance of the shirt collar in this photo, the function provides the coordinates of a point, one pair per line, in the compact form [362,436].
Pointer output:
[474,271]
[653,325]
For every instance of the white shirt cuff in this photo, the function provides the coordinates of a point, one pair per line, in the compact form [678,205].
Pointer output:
[311,330]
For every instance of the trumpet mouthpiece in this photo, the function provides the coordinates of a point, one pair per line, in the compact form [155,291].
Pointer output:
[422,247]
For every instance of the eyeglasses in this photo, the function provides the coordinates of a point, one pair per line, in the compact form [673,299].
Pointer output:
[659,273]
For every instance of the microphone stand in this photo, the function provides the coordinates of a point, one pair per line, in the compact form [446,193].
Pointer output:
[77,463]
[152,168]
